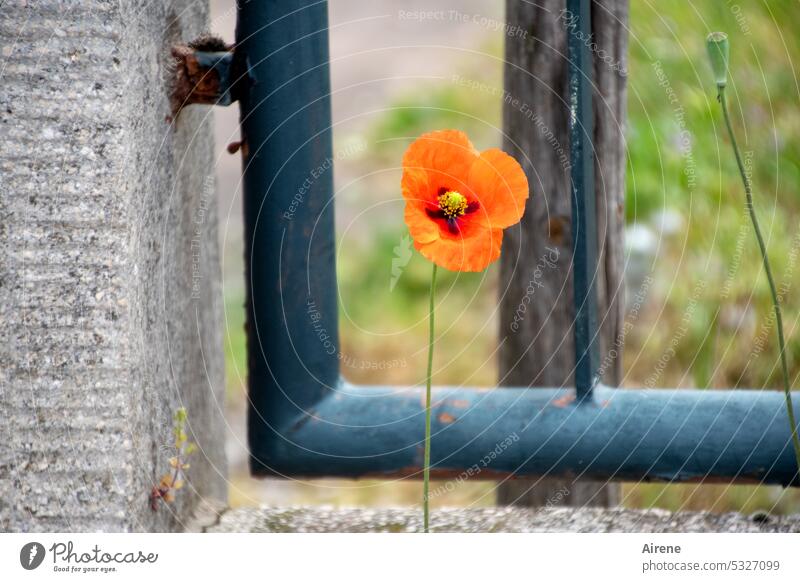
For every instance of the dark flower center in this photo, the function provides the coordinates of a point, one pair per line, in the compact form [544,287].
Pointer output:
[452,206]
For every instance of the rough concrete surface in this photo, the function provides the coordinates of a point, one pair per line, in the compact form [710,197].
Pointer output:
[110,299]
[487,520]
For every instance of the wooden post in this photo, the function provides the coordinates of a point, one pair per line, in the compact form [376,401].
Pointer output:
[536,292]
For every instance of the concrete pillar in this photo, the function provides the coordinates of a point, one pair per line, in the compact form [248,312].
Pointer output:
[110,292]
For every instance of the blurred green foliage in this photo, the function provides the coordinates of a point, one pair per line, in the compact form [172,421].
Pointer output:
[671,106]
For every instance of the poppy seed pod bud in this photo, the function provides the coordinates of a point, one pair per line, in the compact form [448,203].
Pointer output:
[718,49]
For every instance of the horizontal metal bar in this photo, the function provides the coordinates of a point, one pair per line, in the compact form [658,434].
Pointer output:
[650,435]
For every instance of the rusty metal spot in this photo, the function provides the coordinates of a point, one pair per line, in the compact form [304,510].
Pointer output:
[204,74]
[558,229]
[564,401]
[446,418]
[743,479]
[311,415]
[459,403]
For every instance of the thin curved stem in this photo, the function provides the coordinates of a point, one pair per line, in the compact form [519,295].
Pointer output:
[748,191]
[426,471]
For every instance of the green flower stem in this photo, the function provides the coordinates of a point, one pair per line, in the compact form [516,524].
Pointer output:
[426,471]
[748,190]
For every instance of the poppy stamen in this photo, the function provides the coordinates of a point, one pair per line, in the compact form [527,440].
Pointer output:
[453,204]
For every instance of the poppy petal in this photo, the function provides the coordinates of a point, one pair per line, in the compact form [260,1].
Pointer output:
[415,187]
[420,225]
[444,156]
[498,181]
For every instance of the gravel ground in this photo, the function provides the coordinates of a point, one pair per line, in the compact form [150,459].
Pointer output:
[499,519]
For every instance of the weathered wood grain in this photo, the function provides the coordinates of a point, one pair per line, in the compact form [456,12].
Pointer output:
[535,282]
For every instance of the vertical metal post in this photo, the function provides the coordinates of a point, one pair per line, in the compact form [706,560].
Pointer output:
[289,228]
[584,228]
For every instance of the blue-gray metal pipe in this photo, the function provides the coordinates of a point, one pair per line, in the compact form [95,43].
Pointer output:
[650,435]
[304,422]
[289,228]
[584,229]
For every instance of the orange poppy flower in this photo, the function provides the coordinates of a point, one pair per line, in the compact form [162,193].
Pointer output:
[459,200]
